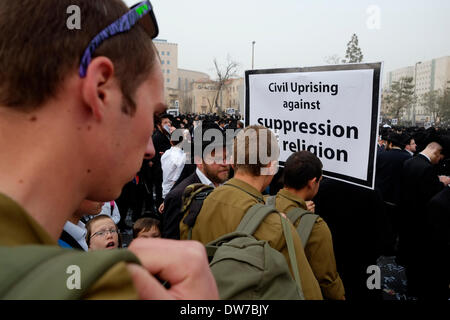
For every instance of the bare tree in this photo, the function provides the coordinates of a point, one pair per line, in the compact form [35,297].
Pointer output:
[334,59]
[223,75]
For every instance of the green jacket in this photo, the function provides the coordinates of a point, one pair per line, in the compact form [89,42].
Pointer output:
[318,250]
[19,230]
[222,212]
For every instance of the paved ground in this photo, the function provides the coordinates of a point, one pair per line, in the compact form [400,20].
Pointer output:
[393,279]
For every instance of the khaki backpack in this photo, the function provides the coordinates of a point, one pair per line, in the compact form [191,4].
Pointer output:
[246,268]
[38,272]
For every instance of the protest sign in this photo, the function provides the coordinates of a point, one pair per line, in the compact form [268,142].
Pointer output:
[331,111]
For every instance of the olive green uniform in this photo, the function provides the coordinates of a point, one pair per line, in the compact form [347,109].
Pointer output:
[222,212]
[318,250]
[17,228]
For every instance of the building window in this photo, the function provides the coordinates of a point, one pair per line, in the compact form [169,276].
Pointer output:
[168,80]
[168,71]
[168,62]
[168,53]
[162,52]
[162,61]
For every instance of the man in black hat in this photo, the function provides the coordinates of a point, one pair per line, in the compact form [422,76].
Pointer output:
[410,144]
[212,169]
[389,166]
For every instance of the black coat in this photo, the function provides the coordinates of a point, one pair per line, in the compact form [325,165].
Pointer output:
[170,223]
[161,143]
[388,173]
[438,236]
[420,183]
[361,232]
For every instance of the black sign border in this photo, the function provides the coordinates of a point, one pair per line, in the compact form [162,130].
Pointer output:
[376,67]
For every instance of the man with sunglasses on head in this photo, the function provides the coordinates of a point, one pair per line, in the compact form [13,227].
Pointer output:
[80,103]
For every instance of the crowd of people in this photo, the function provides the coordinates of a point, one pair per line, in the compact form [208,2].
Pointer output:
[80,173]
[413,178]
[407,201]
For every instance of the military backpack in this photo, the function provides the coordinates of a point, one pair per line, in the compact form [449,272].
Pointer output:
[246,268]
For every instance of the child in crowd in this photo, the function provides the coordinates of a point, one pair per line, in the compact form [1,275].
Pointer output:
[146,228]
[102,233]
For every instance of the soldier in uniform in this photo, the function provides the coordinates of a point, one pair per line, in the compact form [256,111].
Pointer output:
[301,177]
[224,208]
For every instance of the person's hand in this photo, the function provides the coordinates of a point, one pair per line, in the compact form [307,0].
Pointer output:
[311,206]
[183,264]
[161,208]
[444,179]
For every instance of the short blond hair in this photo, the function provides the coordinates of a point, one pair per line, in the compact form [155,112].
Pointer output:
[255,147]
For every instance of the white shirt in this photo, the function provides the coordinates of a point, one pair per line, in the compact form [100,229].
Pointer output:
[411,153]
[78,232]
[172,164]
[203,178]
[106,209]
[426,156]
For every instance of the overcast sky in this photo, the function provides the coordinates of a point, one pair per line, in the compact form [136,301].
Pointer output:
[297,33]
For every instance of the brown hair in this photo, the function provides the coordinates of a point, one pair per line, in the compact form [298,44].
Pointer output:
[144,224]
[254,147]
[89,228]
[38,51]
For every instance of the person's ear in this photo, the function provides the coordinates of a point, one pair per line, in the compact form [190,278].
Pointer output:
[98,86]
[311,182]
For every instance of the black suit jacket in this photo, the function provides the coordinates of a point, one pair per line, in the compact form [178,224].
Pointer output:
[161,143]
[388,174]
[420,183]
[361,232]
[172,206]
[438,236]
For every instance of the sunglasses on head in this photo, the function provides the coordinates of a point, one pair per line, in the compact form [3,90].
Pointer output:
[141,13]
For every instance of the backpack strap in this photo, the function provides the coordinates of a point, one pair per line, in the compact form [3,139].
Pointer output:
[251,221]
[307,221]
[261,200]
[43,272]
[270,201]
[193,197]
[254,217]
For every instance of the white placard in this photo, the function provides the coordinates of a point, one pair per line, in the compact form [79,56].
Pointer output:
[332,111]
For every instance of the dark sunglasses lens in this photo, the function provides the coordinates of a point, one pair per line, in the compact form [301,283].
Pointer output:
[150,25]
[148,22]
